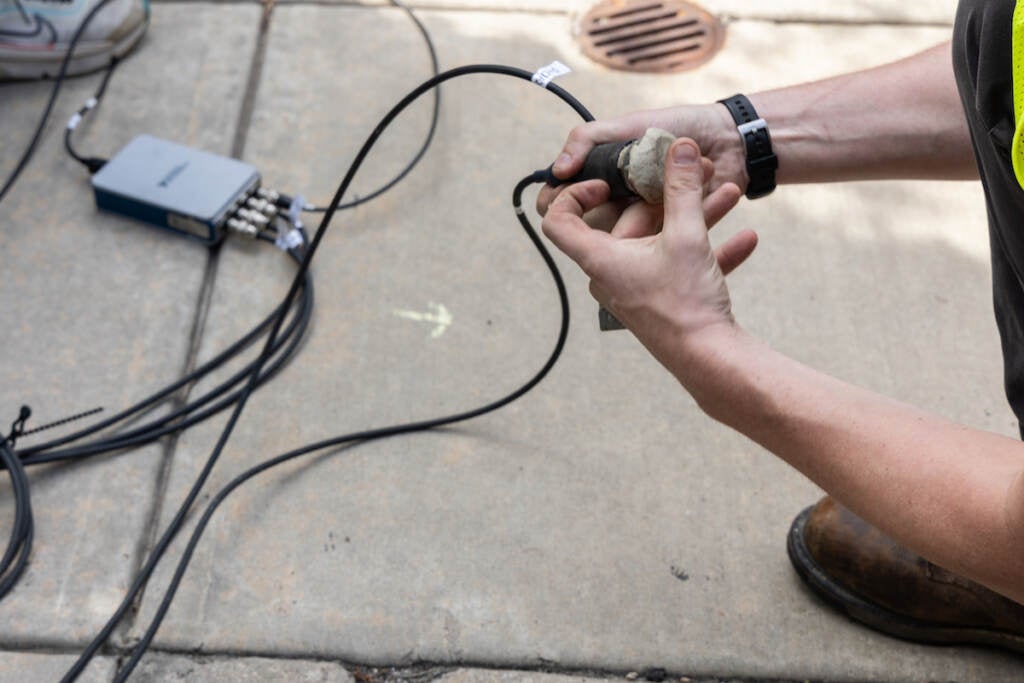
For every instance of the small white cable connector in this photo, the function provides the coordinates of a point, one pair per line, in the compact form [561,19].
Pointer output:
[77,117]
[544,75]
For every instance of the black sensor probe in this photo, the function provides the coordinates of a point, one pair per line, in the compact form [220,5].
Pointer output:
[631,168]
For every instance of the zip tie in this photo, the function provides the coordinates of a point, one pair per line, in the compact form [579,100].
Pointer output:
[63,421]
[546,74]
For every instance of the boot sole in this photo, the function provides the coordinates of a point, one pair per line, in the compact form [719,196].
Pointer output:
[26,64]
[879,618]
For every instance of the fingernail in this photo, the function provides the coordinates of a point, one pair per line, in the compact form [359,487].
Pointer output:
[684,153]
[562,161]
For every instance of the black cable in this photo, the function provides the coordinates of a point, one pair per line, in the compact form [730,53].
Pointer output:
[185,416]
[181,419]
[435,70]
[34,455]
[150,432]
[218,399]
[166,425]
[368,435]
[27,155]
[15,558]
[171,531]
[92,163]
[29,454]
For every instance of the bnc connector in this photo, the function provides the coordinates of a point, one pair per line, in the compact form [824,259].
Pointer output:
[254,217]
[243,228]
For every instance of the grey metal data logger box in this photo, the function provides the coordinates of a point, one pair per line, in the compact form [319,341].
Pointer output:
[174,187]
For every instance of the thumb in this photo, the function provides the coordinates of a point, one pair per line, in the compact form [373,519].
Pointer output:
[684,189]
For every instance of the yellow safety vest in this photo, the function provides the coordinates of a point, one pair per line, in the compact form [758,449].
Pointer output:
[1017,48]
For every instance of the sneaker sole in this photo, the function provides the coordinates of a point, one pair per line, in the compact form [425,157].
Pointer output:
[34,64]
[877,617]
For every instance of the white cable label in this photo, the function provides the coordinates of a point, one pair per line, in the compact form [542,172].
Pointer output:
[295,210]
[289,240]
[74,121]
[546,74]
[90,103]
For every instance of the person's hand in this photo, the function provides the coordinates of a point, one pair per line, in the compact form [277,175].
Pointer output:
[710,126]
[664,286]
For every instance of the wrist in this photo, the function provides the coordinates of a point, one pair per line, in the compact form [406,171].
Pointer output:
[727,149]
[711,363]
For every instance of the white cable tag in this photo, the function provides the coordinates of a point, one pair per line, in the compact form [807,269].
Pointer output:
[73,122]
[90,103]
[295,210]
[292,238]
[289,240]
[546,74]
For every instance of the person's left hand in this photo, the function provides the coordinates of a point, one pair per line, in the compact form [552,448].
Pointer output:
[656,270]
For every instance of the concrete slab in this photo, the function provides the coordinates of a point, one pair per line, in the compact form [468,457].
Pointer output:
[157,668]
[601,522]
[797,11]
[97,311]
[492,676]
[19,667]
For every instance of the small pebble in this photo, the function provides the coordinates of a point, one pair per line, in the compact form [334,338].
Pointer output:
[632,676]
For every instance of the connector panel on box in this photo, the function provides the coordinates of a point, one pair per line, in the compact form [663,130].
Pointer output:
[179,188]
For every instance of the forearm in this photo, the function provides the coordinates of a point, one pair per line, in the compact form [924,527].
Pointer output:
[952,494]
[901,120]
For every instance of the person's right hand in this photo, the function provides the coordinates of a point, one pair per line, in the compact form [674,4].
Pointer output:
[710,126]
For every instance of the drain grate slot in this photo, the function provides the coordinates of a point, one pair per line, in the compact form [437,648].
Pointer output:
[630,24]
[640,35]
[660,55]
[678,30]
[636,10]
[675,40]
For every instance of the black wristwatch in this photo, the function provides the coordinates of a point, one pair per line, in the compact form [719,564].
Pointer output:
[761,161]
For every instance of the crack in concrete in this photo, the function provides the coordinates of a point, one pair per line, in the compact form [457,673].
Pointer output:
[203,305]
[420,672]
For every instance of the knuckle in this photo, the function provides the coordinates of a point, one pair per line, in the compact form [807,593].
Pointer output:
[580,136]
[596,262]
[686,179]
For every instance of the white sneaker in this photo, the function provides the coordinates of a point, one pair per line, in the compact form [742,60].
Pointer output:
[35,35]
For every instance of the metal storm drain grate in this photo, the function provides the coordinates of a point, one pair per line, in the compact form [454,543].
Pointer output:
[650,35]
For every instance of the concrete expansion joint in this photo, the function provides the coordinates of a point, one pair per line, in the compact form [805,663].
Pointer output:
[409,673]
[866,22]
[426,673]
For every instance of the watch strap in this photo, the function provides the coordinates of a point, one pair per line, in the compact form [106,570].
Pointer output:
[757,143]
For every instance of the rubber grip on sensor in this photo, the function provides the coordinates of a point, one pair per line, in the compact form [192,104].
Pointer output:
[602,163]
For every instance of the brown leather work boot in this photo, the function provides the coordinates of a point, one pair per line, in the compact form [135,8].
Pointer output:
[888,588]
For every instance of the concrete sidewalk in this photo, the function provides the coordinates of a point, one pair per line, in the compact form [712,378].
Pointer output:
[599,526]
